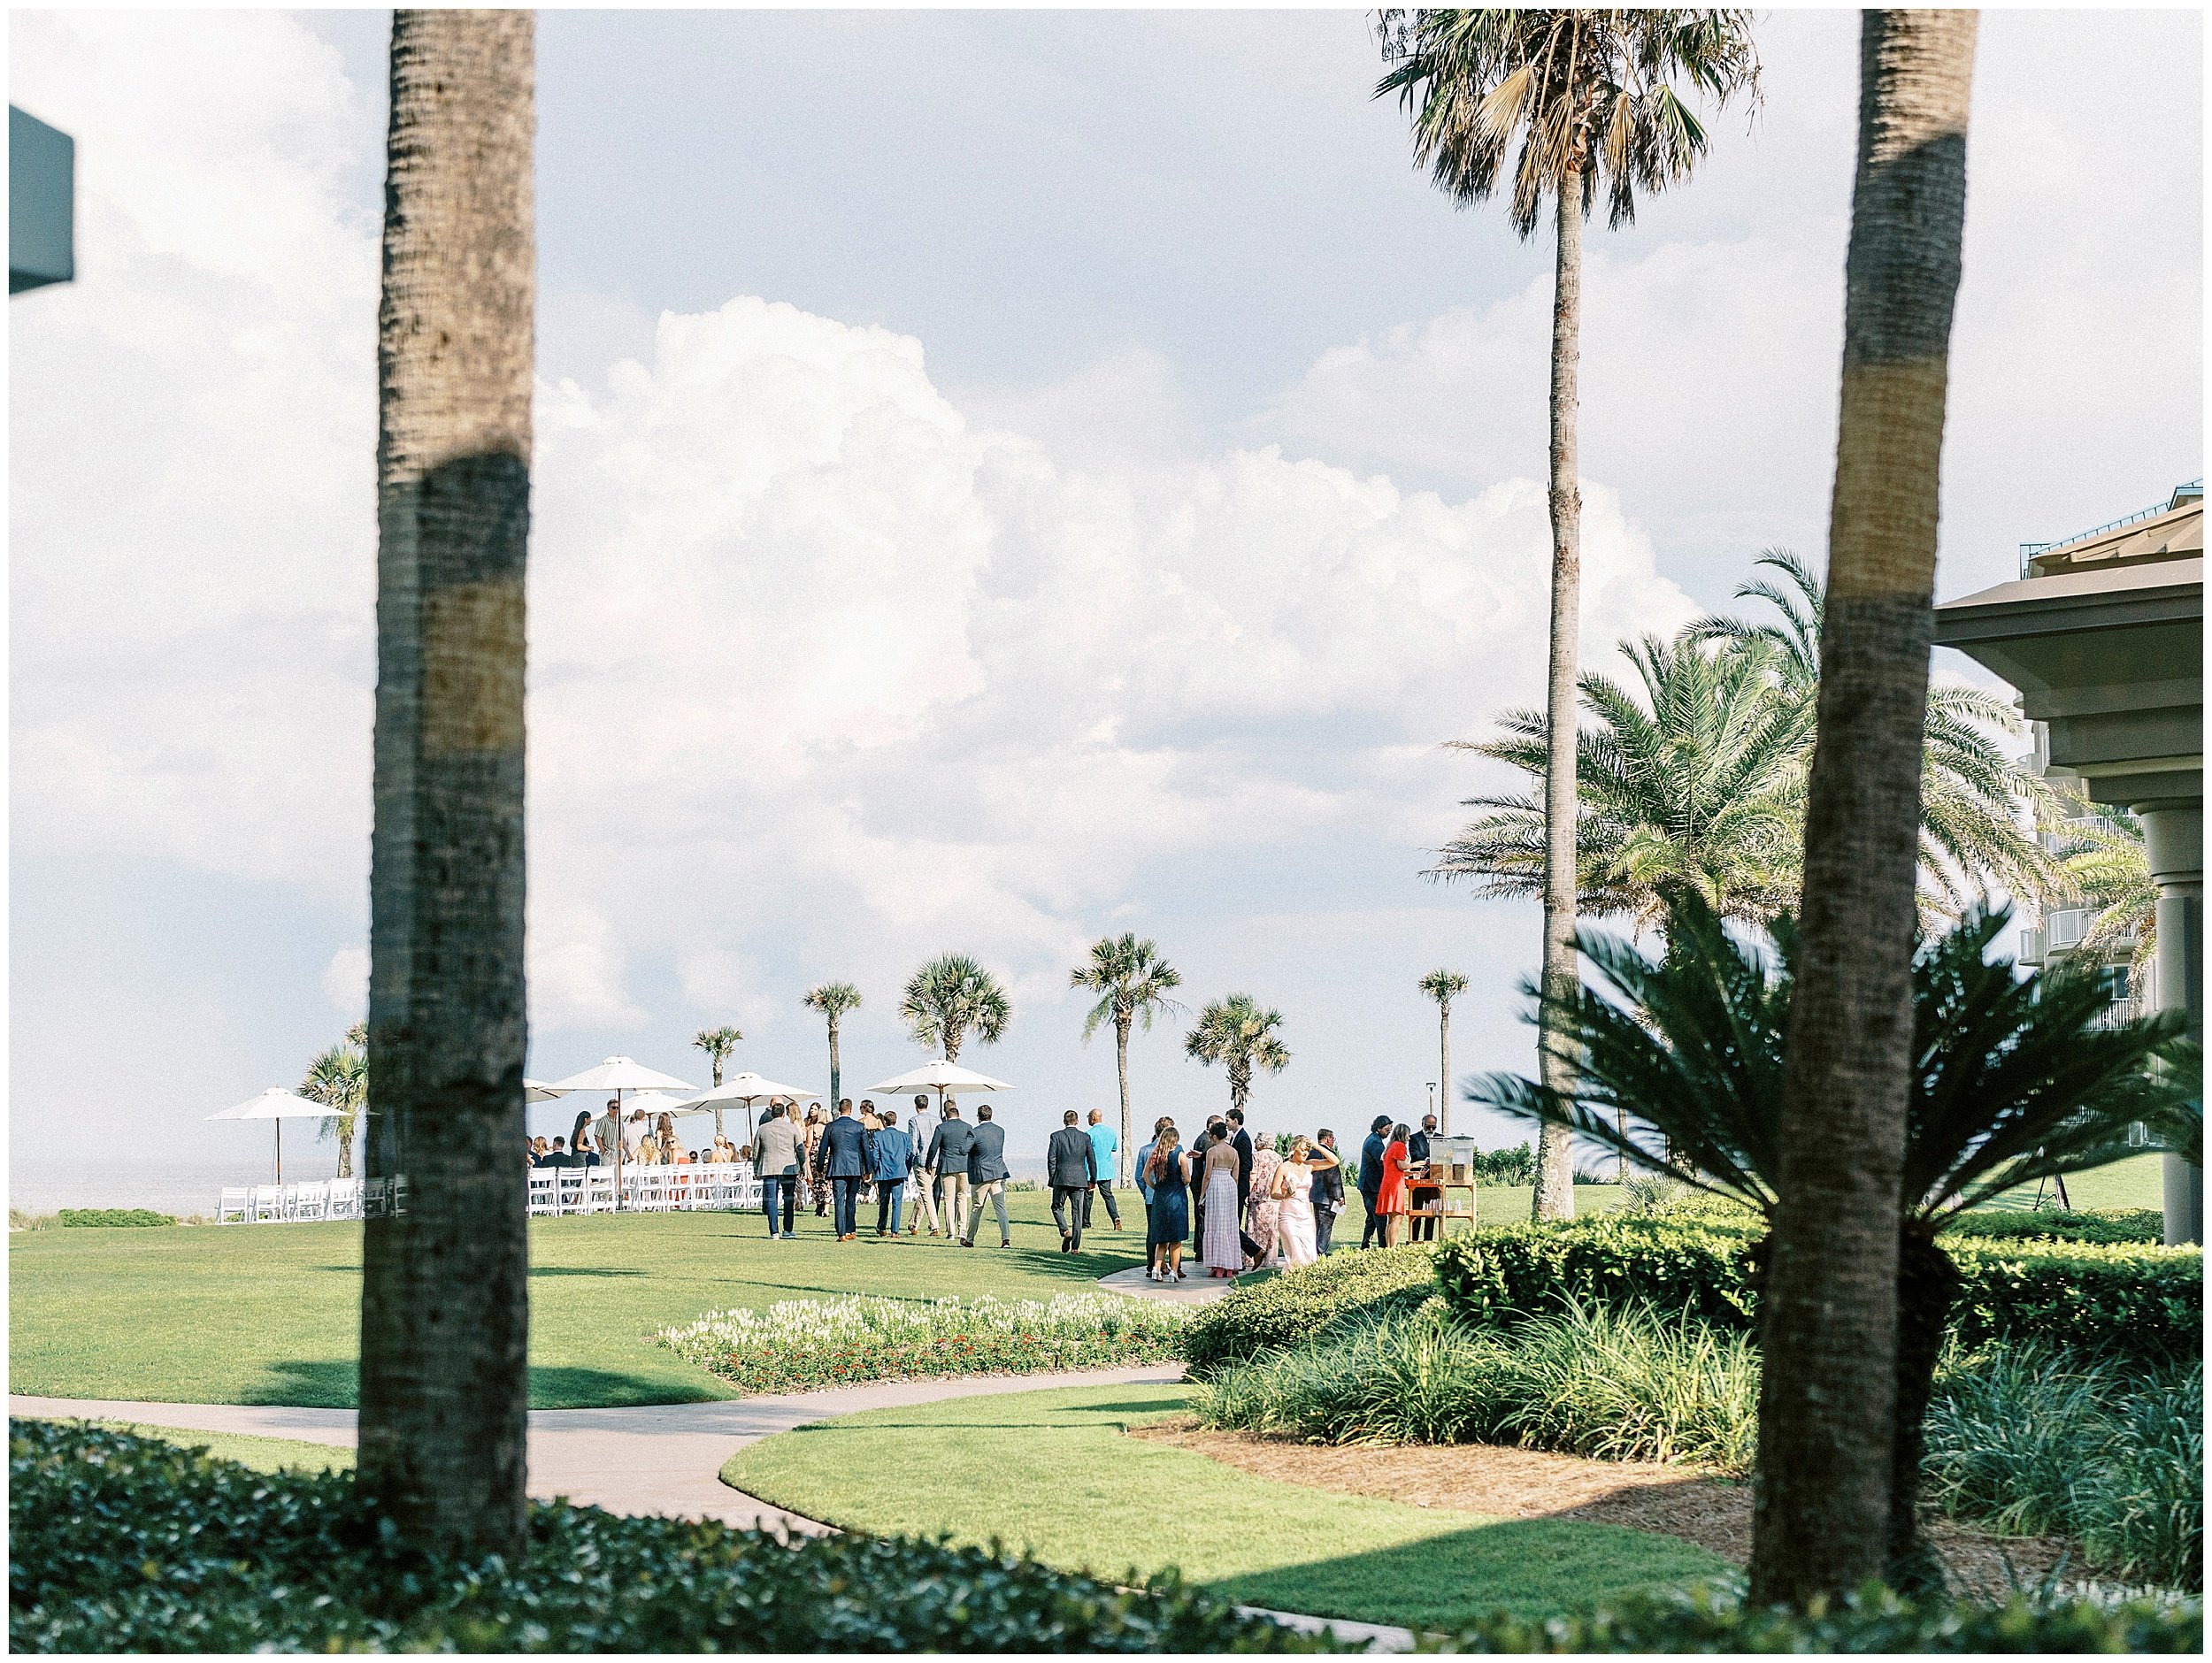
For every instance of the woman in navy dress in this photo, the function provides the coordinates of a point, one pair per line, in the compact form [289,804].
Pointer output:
[1168,1172]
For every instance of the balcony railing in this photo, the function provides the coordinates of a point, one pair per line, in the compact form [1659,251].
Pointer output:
[2193,490]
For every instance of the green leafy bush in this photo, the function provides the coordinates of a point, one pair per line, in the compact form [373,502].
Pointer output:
[2126,1300]
[111,1218]
[2030,1440]
[2106,1228]
[797,1345]
[1714,1618]
[1621,1385]
[1301,1304]
[120,1544]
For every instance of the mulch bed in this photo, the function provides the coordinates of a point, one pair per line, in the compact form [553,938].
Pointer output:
[1502,1483]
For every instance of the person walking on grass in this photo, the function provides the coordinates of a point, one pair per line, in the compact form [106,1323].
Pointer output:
[777,1151]
[949,1148]
[1105,1145]
[1427,1197]
[843,1161]
[1371,1177]
[925,1174]
[1070,1169]
[986,1176]
[1328,1193]
[891,1162]
[1165,1174]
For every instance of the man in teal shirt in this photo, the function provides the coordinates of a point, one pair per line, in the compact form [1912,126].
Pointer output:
[1105,1142]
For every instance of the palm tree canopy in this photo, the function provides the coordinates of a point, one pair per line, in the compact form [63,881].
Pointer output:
[1701,781]
[2012,1080]
[951,997]
[1235,1031]
[832,999]
[2103,863]
[1444,986]
[717,1042]
[1587,95]
[1132,979]
[339,1078]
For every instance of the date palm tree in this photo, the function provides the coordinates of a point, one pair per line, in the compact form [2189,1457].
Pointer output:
[339,1078]
[1971,837]
[1132,981]
[951,997]
[2015,1081]
[1700,781]
[1238,1035]
[445,1293]
[832,1000]
[717,1043]
[1444,986]
[1828,1394]
[1588,95]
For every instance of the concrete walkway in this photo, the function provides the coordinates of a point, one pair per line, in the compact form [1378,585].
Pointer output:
[1197,1289]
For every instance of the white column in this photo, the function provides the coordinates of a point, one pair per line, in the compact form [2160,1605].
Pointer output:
[2173,842]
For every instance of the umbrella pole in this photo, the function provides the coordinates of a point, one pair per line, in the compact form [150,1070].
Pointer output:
[618,1149]
[279,1131]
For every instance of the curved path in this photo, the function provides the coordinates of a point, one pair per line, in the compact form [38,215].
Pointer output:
[664,1459]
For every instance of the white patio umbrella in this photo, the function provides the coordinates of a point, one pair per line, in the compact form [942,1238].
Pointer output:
[538,1091]
[279,1104]
[618,1075]
[941,1076]
[746,1088]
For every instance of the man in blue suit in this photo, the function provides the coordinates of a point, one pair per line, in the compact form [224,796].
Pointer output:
[1370,1165]
[986,1177]
[890,1162]
[844,1157]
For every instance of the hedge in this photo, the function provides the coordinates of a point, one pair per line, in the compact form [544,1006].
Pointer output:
[1874,1620]
[2127,1300]
[1294,1306]
[122,1544]
[2107,1227]
[111,1218]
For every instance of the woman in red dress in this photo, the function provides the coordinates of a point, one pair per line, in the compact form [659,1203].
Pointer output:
[1394,1200]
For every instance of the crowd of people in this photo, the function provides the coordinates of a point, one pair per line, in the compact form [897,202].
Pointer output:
[1236,1203]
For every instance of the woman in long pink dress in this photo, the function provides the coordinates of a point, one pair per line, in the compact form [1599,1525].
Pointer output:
[1222,1249]
[1294,1201]
[1265,1207]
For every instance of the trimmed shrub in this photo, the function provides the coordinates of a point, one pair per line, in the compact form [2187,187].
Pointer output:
[798,1344]
[2126,1300]
[1298,1305]
[120,1544]
[111,1218]
[2106,1228]
[1717,1619]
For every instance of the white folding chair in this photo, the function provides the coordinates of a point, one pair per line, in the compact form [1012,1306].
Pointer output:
[312,1201]
[345,1198]
[235,1206]
[571,1189]
[268,1202]
[544,1192]
[599,1191]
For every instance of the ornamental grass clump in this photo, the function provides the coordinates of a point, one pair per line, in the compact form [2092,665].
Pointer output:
[801,1345]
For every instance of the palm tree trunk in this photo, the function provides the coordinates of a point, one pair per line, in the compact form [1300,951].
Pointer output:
[1444,1069]
[835,1077]
[953,1037]
[1555,1145]
[1828,1402]
[445,1288]
[1927,1284]
[1121,1061]
[716,1060]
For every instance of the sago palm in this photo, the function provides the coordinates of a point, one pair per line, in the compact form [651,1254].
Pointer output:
[2012,1081]
[1132,981]
[1240,1035]
[949,999]
[1575,100]
[1971,835]
[831,1002]
[1700,781]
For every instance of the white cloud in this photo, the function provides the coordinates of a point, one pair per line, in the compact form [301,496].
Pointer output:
[346,982]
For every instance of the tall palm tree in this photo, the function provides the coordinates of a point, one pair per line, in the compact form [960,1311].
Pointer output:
[1827,1400]
[339,1078]
[948,998]
[1588,96]
[1132,980]
[2015,1081]
[1444,986]
[832,1001]
[1971,836]
[717,1043]
[1701,782]
[1238,1034]
[445,1293]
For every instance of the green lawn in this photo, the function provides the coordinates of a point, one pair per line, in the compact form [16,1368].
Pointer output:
[2135,1181]
[1050,1472]
[262,1454]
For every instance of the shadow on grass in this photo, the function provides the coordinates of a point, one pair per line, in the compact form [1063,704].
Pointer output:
[330,1385]
[581,1270]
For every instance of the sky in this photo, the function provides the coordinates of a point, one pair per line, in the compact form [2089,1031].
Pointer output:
[1002,477]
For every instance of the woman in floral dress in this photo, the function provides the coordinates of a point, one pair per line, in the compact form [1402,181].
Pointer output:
[1266,1207]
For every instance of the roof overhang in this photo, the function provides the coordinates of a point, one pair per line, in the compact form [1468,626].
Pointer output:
[2112,660]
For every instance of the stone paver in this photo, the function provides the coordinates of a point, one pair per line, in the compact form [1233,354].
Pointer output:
[1197,1289]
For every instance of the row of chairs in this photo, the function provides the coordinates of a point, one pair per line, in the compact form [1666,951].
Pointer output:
[291,1203]
[718,1186]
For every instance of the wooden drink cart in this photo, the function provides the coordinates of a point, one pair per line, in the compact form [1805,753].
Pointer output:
[1451,1169]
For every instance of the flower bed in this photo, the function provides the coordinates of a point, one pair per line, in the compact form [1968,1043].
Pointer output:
[801,1345]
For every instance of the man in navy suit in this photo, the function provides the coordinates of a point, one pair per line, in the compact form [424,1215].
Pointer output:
[1070,1169]
[844,1157]
[1370,1165]
[891,1162]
